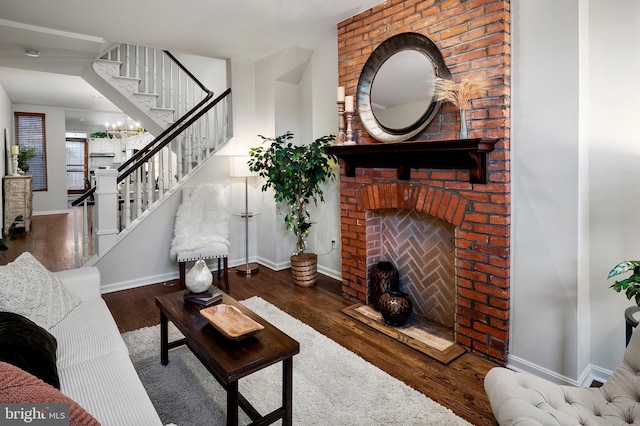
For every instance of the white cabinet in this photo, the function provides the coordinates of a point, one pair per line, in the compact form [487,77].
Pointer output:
[104,152]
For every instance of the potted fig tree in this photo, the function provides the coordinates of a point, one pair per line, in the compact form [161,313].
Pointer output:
[295,173]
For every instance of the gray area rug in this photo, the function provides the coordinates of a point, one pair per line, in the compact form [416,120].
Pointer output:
[331,385]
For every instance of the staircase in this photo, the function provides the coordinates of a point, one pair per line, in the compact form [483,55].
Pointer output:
[191,123]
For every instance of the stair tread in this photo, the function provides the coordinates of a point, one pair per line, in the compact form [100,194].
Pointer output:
[162,109]
[110,61]
[123,77]
[146,94]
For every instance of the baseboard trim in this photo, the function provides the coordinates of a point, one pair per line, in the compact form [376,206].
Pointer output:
[336,275]
[50,212]
[588,375]
[126,285]
[330,273]
[598,374]
[159,278]
[154,279]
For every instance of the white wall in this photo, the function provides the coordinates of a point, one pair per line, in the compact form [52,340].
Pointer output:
[574,183]
[54,199]
[614,157]
[6,127]
[278,109]
[545,149]
[242,78]
[295,91]
[209,71]
[324,121]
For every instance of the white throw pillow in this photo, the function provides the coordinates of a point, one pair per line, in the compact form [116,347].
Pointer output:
[29,289]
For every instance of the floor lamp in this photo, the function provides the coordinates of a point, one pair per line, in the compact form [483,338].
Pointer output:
[239,167]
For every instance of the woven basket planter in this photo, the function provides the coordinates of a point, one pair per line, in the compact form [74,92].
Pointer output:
[304,269]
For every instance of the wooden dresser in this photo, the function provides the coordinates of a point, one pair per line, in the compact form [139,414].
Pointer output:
[17,200]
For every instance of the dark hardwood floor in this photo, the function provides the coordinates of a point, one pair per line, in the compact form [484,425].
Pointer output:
[458,386]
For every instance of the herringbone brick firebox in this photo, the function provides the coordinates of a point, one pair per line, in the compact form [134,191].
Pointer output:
[473,36]
[421,247]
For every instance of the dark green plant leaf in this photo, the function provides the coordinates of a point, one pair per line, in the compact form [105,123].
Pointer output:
[632,291]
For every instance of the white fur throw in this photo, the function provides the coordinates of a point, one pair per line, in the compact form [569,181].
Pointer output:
[202,219]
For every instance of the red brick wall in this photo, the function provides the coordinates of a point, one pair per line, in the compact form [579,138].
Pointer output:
[473,36]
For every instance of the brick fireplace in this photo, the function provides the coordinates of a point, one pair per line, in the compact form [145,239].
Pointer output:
[473,36]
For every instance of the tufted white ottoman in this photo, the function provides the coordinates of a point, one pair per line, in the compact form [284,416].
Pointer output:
[523,399]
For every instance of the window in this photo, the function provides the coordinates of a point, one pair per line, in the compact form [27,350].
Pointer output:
[30,133]
[76,165]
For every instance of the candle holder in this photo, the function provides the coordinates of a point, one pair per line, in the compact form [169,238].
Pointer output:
[349,140]
[341,134]
[14,164]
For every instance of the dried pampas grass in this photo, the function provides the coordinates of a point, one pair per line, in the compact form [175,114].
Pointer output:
[459,94]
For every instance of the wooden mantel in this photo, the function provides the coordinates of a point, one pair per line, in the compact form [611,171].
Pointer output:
[465,154]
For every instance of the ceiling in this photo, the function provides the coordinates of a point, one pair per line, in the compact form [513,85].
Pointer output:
[70,34]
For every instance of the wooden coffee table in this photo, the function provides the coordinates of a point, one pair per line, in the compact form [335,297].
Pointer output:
[228,360]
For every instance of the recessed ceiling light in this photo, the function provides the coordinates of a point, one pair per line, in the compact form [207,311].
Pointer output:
[32,53]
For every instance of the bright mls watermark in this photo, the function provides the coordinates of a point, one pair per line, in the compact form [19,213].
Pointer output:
[34,414]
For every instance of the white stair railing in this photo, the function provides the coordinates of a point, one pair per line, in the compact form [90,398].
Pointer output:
[197,125]
[141,185]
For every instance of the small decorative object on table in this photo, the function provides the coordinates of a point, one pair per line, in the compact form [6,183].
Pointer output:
[460,95]
[206,298]
[15,150]
[340,101]
[199,278]
[395,308]
[229,321]
[349,109]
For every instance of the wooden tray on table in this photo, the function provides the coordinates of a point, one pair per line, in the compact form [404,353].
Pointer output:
[229,321]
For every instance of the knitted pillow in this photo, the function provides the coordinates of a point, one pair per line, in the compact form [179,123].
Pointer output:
[29,289]
[26,345]
[19,387]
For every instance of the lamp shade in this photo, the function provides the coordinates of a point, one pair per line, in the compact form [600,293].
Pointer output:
[239,166]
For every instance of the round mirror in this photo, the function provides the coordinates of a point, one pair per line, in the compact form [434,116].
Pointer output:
[395,90]
[402,89]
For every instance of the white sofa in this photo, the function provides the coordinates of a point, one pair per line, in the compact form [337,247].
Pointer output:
[56,332]
[93,361]
[526,400]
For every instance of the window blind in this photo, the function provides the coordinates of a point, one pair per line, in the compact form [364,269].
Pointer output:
[30,133]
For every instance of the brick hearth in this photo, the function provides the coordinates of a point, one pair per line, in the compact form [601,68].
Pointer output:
[473,36]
